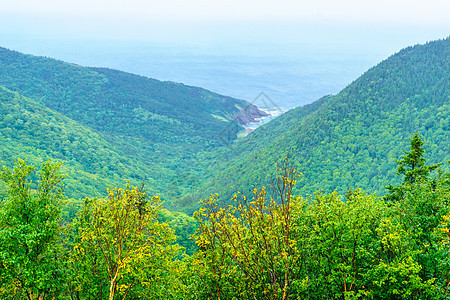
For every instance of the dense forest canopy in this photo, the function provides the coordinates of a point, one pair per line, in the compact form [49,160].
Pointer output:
[109,126]
[349,140]
[34,132]
[328,246]
[358,205]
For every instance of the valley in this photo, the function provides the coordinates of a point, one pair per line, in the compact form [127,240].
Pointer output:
[119,186]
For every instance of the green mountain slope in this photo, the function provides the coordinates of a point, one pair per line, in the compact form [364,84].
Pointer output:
[34,132]
[351,139]
[155,128]
[117,102]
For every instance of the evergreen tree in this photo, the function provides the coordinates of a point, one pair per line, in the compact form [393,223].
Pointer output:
[412,166]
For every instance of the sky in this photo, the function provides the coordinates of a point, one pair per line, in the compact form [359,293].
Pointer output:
[160,20]
[411,11]
[234,47]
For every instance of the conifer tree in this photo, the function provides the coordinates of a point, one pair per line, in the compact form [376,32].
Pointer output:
[412,166]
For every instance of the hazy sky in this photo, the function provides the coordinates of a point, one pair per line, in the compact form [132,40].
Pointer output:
[172,18]
[434,12]
[290,49]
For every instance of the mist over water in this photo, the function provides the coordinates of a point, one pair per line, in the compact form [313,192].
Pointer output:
[289,80]
[292,70]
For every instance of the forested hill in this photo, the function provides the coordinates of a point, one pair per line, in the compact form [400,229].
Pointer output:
[351,139]
[117,102]
[129,127]
[33,132]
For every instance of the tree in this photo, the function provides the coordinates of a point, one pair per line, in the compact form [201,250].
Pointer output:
[30,231]
[248,250]
[120,234]
[86,274]
[337,236]
[184,227]
[413,260]
[412,167]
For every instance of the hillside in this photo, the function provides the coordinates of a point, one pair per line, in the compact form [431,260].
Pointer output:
[131,127]
[348,140]
[117,102]
[35,133]
[154,128]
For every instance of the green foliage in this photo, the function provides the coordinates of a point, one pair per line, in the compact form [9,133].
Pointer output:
[249,250]
[412,166]
[341,243]
[30,232]
[86,275]
[134,128]
[109,126]
[337,237]
[91,162]
[115,248]
[413,260]
[120,249]
[330,246]
[348,140]
[356,246]
[184,227]
[117,102]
